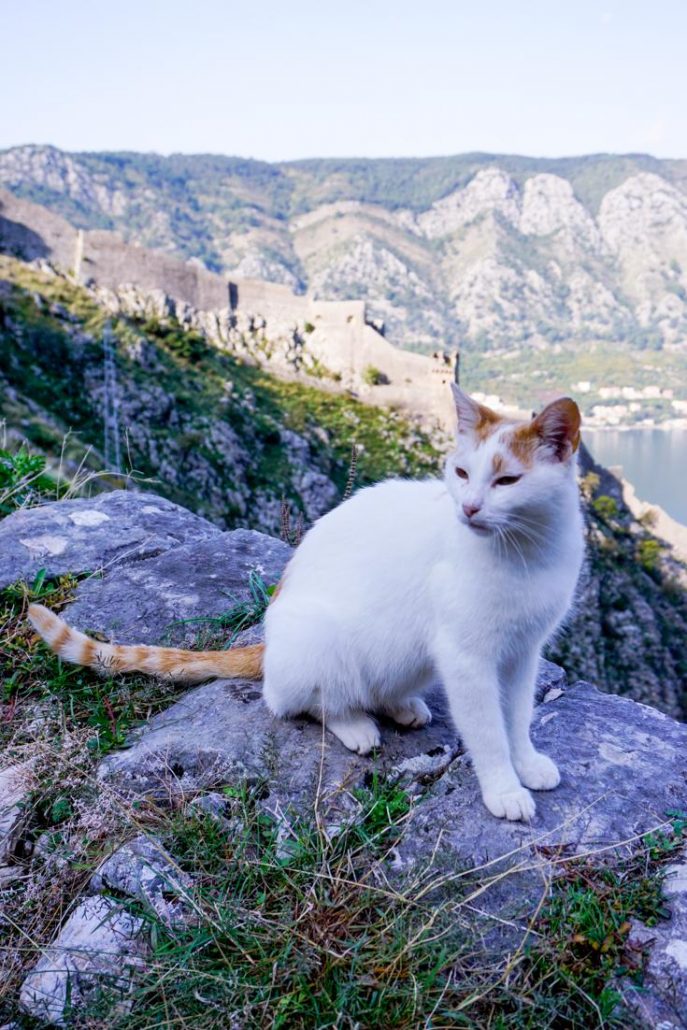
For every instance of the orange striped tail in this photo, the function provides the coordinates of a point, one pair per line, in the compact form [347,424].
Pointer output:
[166,662]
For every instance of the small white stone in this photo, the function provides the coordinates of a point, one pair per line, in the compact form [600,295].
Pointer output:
[46,544]
[676,880]
[677,949]
[90,517]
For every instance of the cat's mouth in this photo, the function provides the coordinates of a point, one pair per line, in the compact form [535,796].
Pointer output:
[478,527]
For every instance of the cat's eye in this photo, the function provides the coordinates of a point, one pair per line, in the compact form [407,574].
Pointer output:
[506,480]
[461,473]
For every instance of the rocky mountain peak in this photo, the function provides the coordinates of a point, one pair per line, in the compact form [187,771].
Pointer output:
[490,190]
[549,206]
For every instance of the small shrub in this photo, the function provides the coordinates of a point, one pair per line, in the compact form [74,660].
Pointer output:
[374,376]
[649,518]
[22,480]
[648,553]
[605,507]
[589,484]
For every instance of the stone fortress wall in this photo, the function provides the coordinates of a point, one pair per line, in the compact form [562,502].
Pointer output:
[334,336]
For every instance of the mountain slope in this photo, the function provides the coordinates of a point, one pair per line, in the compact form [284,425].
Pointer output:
[486,251]
[224,438]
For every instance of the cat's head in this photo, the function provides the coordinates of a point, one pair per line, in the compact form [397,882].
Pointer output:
[505,474]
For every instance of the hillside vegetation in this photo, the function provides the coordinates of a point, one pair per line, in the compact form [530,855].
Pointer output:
[224,438]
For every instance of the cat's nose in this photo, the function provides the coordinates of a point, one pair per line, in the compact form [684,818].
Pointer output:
[471,509]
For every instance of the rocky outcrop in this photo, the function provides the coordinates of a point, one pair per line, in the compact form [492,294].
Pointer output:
[87,536]
[628,626]
[622,767]
[199,433]
[622,763]
[607,749]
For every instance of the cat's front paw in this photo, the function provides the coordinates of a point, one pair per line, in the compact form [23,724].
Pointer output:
[538,772]
[510,804]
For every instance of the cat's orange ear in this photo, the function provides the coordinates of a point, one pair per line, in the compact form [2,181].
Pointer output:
[473,417]
[558,428]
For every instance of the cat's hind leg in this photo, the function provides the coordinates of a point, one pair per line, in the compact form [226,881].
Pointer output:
[309,670]
[408,711]
[356,730]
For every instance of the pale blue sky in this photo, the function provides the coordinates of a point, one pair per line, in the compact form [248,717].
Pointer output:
[297,78]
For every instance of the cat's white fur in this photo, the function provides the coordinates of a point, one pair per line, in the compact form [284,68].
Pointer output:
[398,586]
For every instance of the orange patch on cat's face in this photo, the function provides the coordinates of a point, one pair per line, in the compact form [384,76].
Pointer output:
[523,443]
[487,423]
[498,464]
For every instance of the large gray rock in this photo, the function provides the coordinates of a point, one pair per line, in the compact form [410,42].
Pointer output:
[223,733]
[141,602]
[94,534]
[99,948]
[622,765]
[623,768]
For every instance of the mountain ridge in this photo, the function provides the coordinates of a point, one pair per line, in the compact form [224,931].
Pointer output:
[495,255]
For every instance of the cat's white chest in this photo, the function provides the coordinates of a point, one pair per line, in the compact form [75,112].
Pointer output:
[499,603]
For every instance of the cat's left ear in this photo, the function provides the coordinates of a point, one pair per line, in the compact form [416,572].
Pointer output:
[558,428]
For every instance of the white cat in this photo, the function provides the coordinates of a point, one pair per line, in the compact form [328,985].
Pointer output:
[463,578]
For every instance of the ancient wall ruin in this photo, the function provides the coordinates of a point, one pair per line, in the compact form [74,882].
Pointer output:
[340,343]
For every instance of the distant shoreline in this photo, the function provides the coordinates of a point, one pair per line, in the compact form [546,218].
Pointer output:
[664,525]
[673,423]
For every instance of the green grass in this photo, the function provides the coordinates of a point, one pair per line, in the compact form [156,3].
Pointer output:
[584,927]
[23,481]
[75,698]
[314,934]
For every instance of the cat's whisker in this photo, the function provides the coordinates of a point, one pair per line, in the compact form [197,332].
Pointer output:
[518,550]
